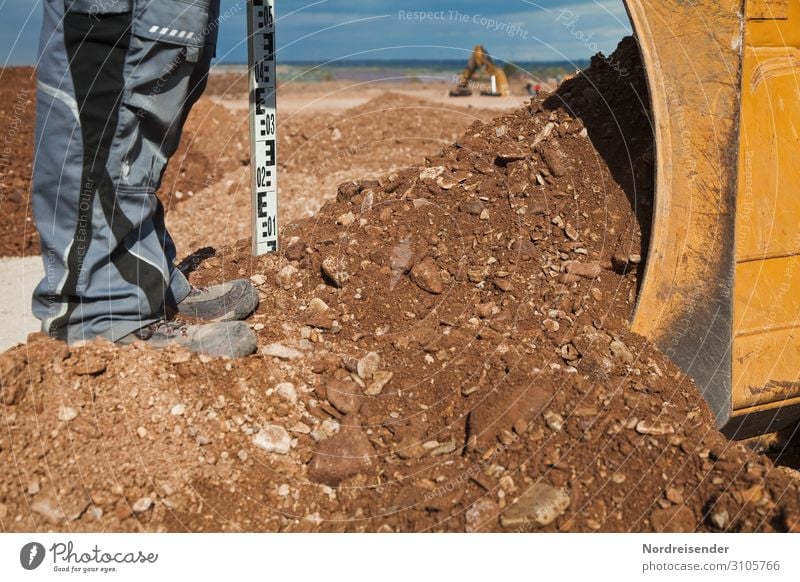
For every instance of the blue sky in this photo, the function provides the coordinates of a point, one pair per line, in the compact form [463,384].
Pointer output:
[320,30]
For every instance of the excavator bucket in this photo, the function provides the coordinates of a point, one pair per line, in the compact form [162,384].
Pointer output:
[721,289]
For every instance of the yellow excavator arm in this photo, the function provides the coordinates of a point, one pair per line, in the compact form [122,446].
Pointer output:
[480,60]
[721,289]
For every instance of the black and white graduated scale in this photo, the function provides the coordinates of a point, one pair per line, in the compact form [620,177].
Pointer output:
[263,124]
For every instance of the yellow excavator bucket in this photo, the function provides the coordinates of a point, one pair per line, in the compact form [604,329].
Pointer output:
[721,289]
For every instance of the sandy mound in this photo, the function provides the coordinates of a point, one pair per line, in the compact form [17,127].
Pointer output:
[444,348]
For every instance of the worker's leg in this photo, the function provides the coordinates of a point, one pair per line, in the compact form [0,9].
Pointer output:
[114,83]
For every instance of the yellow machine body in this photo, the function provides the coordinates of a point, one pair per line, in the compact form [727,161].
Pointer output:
[478,60]
[721,289]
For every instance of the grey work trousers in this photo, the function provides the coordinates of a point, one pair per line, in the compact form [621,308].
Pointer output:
[116,81]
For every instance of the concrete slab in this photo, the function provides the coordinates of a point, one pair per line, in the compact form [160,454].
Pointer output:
[18,277]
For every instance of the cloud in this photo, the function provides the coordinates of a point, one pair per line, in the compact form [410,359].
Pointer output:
[320,30]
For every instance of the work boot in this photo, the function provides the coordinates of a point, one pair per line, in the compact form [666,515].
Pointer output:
[229,301]
[233,339]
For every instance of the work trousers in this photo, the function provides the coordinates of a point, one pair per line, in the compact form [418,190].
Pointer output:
[116,81]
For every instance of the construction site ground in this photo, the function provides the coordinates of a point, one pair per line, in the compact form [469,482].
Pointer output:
[443,336]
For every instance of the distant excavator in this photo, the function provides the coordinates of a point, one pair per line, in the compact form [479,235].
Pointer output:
[480,59]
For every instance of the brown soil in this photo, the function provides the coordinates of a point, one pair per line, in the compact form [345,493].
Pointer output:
[456,339]
[214,143]
[317,151]
[17,114]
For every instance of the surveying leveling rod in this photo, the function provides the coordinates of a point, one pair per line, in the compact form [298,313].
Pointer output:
[263,126]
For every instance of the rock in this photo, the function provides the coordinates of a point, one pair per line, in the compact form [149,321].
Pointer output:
[524,249]
[90,365]
[346,219]
[485,310]
[504,285]
[177,410]
[368,365]
[49,509]
[551,325]
[621,352]
[473,207]
[258,279]
[426,276]
[439,449]
[67,413]
[554,160]
[334,272]
[485,215]
[286,276]
[477,274]
[181,356]
[379,380]
[675,519]
[554,421]
[273,438]
[622,264]
[538,506]
[402,257]
[571,233]
[585,270]
[431,173]
[674,495]
[521,400]
[346,397]
[301,428]
[481,516]
[281,352]
[316,306]
[446,183]
[141,505]
[719,519]
[295,250]
[347,190]
[420,202]
[69,507]
[341,456]
[369,200]
[543,134]
[287,391]
[569,353]
[511,153]
[654,428]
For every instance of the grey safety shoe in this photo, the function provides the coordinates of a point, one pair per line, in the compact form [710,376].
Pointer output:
[229,301]
[233,339]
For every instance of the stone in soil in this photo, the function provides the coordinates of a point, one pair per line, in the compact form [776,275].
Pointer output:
[346,397]
[675,519]
[539,506]
[345,454]
[273,438]
[425,275]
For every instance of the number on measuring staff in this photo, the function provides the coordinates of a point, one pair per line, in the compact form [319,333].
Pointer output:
[267,125]
[263,177]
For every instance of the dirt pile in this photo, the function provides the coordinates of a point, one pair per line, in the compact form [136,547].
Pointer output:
[17,115]
[214,143]
[444,348]
[316,151]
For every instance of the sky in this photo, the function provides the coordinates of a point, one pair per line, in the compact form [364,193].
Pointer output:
[331,30]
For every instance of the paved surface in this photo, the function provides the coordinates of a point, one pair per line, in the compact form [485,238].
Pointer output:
[18,277]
